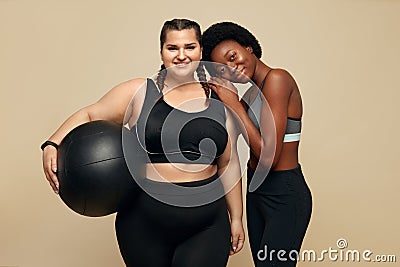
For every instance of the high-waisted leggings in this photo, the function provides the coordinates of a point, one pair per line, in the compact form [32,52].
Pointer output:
[278,213]
[152,233]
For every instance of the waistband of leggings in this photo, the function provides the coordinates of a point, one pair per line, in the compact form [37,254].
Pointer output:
[270,172]
[206,188]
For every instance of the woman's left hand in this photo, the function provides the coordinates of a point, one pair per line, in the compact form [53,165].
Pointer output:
[237,236]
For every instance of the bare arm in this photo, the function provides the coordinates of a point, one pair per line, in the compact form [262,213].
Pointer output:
[229,171]
[266,144]
[227,92]
[277,91]
[112,106]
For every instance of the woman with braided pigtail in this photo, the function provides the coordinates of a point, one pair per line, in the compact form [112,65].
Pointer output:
[176,235]
[199,222]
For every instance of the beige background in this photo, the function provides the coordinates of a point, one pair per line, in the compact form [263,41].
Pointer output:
[58,56]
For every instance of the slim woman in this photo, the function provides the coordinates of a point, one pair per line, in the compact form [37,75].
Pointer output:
[279,209]
[151,231]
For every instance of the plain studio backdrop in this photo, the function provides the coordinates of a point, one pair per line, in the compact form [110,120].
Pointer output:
[58,56]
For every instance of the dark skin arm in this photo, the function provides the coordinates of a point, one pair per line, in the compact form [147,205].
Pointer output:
[277,91]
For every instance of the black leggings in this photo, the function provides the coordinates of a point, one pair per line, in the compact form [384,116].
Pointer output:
[278,213]
[151,233]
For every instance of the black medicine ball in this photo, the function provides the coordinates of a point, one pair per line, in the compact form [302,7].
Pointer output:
[93,175]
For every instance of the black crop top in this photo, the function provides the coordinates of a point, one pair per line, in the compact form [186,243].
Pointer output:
[171,135]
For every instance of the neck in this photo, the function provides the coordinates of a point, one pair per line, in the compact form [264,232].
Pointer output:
[260,71]
[173,81]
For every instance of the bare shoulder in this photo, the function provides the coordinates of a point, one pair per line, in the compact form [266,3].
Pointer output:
[279,81]
[280,75]
[136,81]
[130,87]
[123,90]
[120,95]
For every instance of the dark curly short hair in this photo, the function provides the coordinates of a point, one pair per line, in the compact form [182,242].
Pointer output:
[223,31]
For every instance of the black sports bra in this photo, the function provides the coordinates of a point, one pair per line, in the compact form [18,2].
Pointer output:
[171,135]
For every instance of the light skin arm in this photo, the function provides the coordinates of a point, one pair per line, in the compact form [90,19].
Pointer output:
[112,106]
[229,172]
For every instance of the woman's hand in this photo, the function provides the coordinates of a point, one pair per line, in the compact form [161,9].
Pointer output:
[237,236]
[49,160]
[225,90]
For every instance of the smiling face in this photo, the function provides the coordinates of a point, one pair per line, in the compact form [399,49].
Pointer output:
[240,61]
[182,51]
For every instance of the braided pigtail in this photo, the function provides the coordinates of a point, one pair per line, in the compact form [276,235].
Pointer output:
[201,73]
[162,73]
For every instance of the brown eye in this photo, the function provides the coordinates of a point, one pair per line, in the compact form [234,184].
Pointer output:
[232,57]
